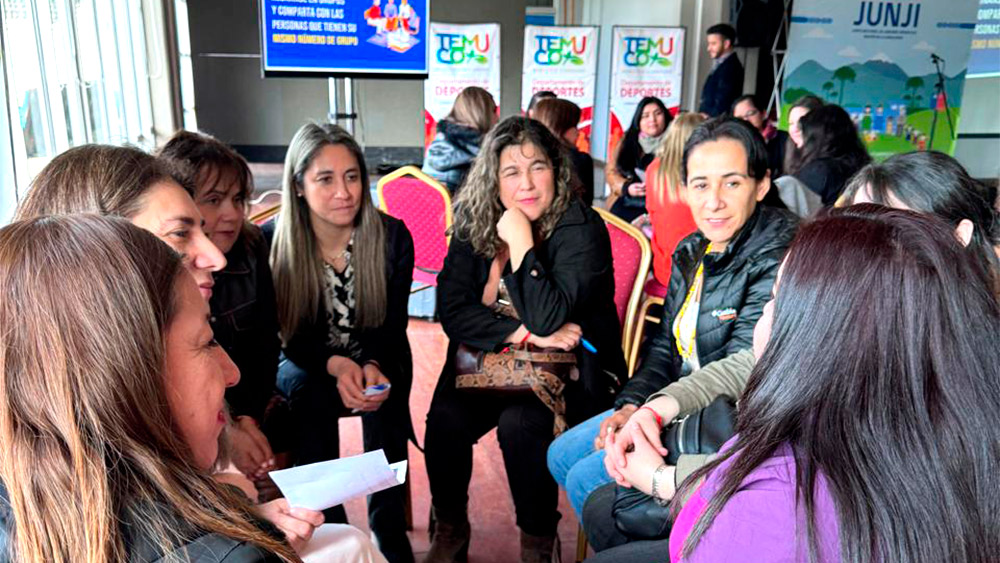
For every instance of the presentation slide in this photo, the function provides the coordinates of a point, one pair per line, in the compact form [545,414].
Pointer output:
[344,37]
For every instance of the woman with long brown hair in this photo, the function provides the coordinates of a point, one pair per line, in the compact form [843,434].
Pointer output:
[562,117]
[126,182]
[111,403]
[521,238]
[342,274]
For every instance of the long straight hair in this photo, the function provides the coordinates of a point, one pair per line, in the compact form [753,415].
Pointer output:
[793,154]
[901,419]
[103,179]
[474,107]
[667,177]
[629,151]
[828,132]
[88,438]
[296,260]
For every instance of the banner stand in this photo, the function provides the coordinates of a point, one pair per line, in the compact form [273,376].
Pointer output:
[645,61]
[563,60]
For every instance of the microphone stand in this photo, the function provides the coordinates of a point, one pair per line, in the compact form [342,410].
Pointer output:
[939,89]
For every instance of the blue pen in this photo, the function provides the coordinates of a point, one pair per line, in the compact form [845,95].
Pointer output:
[588,346]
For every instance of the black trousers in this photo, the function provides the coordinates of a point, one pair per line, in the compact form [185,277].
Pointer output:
[611,545]
[316,408]
[457,420]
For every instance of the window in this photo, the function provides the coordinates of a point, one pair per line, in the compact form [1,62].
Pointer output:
[76,74]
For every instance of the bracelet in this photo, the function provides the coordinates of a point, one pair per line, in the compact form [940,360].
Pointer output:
[526,337]
[656,479]
[659,419]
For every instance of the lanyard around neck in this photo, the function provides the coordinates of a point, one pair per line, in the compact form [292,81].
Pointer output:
[696,283]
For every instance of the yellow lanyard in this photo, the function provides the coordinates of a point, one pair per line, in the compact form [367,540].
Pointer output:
[696,284]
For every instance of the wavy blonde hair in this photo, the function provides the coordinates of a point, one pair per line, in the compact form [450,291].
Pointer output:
[478,207]
[667,177]
[88,437]
[295,254]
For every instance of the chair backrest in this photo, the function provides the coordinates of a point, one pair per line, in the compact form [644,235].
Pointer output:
[631,255]
[264,206]
[424,206]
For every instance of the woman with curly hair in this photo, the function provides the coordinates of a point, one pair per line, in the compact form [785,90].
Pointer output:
[529,263]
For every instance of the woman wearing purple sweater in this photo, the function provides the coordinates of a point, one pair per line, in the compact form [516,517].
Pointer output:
[869,429]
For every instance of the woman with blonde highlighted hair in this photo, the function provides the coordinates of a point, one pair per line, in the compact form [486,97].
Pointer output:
[449,156]
[668,210]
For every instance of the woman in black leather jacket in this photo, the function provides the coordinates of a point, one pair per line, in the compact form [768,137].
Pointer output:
[244,313]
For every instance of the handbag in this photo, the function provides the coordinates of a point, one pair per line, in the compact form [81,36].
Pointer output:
[642,517]
[518,370]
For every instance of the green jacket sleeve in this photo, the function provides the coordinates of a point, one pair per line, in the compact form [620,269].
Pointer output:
[725,377]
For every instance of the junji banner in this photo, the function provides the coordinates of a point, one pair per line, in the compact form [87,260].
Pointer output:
[645,61]
[562,60]
[877,61]
[461,56]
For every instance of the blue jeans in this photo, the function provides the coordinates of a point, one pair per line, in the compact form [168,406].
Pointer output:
[574,463]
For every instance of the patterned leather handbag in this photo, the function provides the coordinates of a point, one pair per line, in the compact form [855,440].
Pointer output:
[518,370]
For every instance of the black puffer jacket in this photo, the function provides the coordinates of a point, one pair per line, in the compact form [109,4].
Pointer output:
[449,156]
[737,284]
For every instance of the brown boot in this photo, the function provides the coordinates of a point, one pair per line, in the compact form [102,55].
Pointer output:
[539,549]
[449,540]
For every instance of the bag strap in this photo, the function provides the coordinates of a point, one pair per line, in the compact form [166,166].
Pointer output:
[544,357]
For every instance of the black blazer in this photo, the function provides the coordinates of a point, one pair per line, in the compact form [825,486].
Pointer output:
[737,284]
[566,278]
[387,344]
[722,87]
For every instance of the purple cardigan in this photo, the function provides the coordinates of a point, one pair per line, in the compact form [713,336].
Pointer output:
[761,522]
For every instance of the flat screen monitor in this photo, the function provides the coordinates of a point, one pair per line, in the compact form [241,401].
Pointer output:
[336,38]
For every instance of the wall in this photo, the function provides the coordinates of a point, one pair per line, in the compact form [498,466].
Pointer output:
[978,144]
[260,116]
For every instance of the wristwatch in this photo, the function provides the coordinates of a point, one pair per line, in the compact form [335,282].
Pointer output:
[656,481]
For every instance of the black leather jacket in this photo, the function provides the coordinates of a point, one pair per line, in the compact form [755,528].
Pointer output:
[737,284]
[197,547]
[245,322]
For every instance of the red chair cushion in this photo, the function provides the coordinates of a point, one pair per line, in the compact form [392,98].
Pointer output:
[423,209]
[627,257]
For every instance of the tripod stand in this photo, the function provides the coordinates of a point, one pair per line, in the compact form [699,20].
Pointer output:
[939,89]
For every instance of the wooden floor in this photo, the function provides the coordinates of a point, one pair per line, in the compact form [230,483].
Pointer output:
[491,511]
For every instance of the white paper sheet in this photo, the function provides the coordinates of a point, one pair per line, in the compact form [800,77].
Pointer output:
[322,485]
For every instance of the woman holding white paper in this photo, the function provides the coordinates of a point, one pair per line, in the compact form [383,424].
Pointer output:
[342,276]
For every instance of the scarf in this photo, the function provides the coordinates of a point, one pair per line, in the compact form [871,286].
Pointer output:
[650,144]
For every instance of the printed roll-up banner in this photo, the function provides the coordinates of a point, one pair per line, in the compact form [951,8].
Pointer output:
[563,60]
[645,61]
[877,61]
[461,56]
